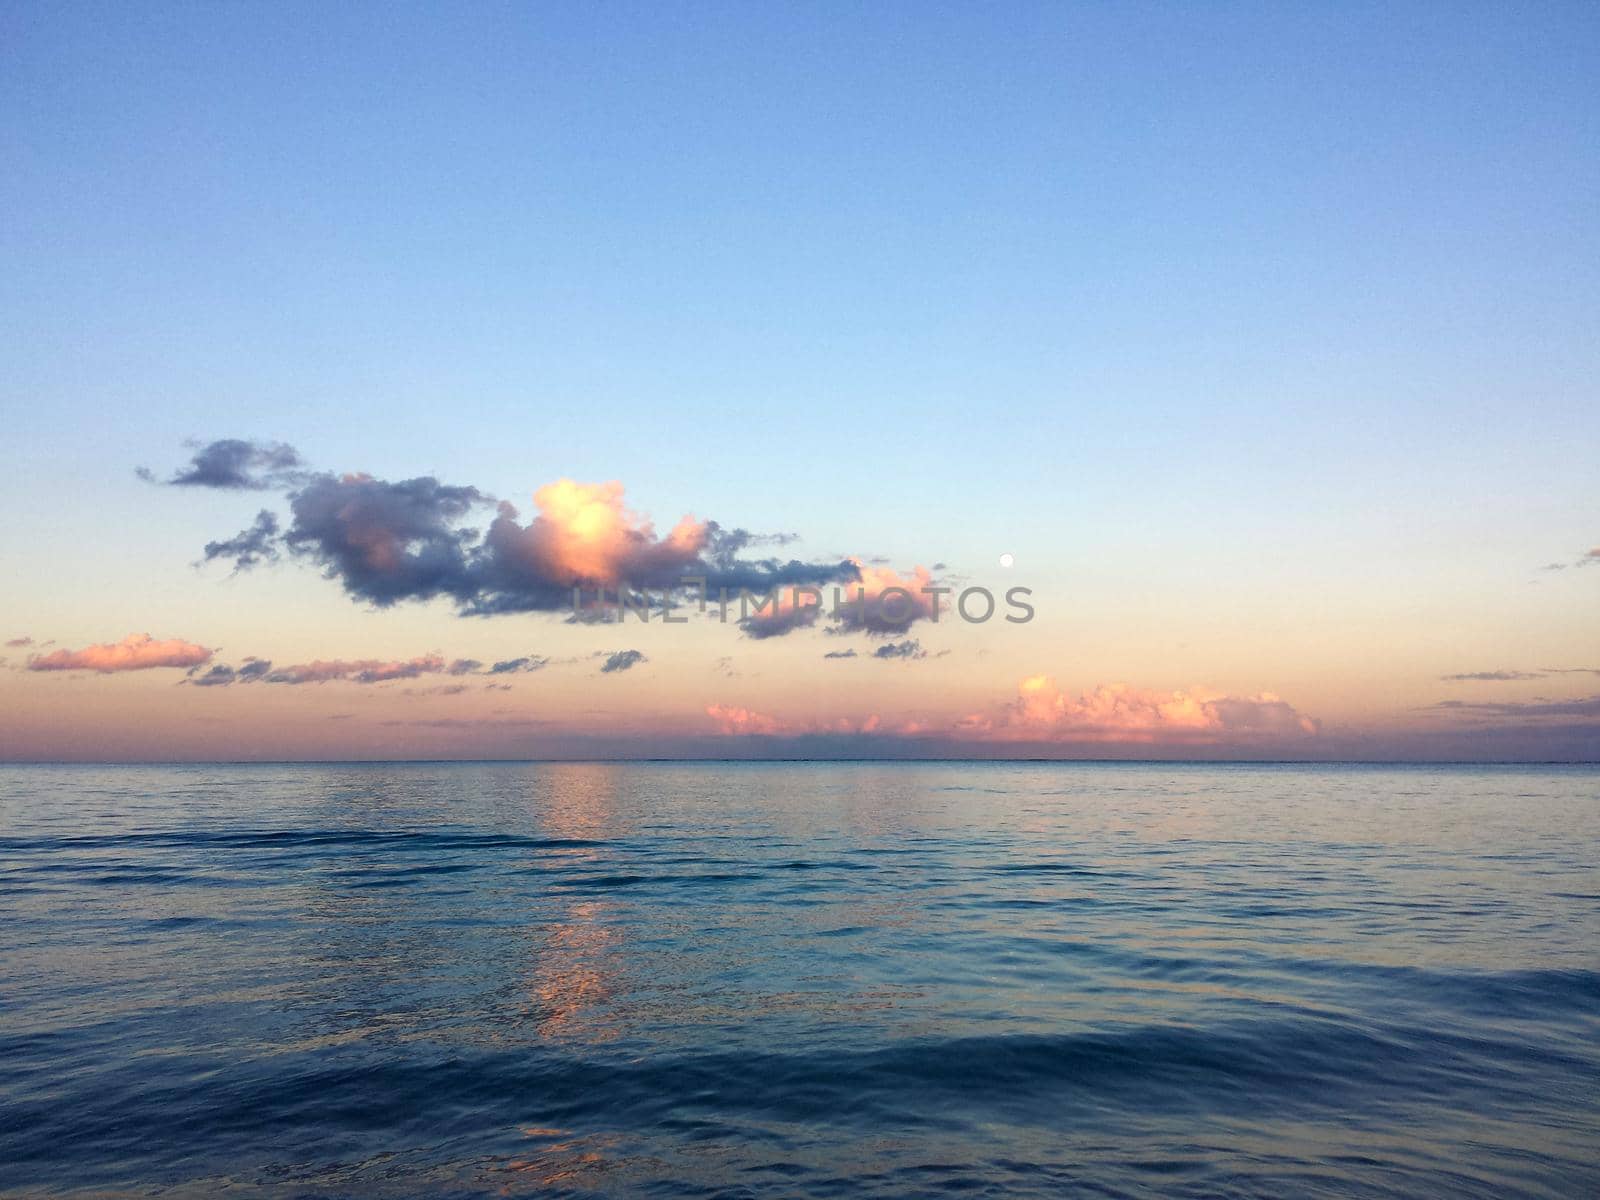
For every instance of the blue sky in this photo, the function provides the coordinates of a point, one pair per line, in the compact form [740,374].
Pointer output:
[1236,304]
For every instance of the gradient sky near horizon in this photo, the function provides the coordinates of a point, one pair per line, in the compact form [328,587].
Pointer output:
[1262,337]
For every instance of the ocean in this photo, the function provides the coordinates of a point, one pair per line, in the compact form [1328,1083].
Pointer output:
[799,979]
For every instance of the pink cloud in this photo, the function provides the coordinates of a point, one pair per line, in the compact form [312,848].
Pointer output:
[1043,713]
[1118,713]
[735,721]
[136,652]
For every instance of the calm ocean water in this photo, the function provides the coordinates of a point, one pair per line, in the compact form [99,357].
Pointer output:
[800,980]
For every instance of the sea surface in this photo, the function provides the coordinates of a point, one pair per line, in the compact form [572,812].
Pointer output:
[799,980]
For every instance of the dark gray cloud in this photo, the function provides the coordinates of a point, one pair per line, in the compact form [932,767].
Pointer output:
[249,546]
[840,654]
[365,670]
[622,660]
[908,649]
[234,464]
[463,666]
[222,675]
[509,666]
[388,541]
[1542,707]
[729,543]
[217,676]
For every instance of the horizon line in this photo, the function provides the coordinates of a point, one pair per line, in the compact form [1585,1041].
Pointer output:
[831,759]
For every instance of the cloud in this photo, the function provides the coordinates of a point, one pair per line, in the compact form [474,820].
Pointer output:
[584,536]
[885,602]
[1117,712]
[622,660]
[840,654]
[735,721]
[1537,709]
[1514,676]
[530,662]
[388,541]
[878,601]
[220,675]
[20,641]
[1042,714]
[236,465]
[366,670]
[249,546]
[908,649]
[136,652]
[1588,560]
[1491,676]
[472,724]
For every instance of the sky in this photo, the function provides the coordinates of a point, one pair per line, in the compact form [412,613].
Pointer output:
[1259,338]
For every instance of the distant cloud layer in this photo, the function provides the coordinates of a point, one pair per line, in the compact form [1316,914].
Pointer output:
[1503,676]
[389,541]
[366,670]
[1539,709]
[136,652]
[337,670]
